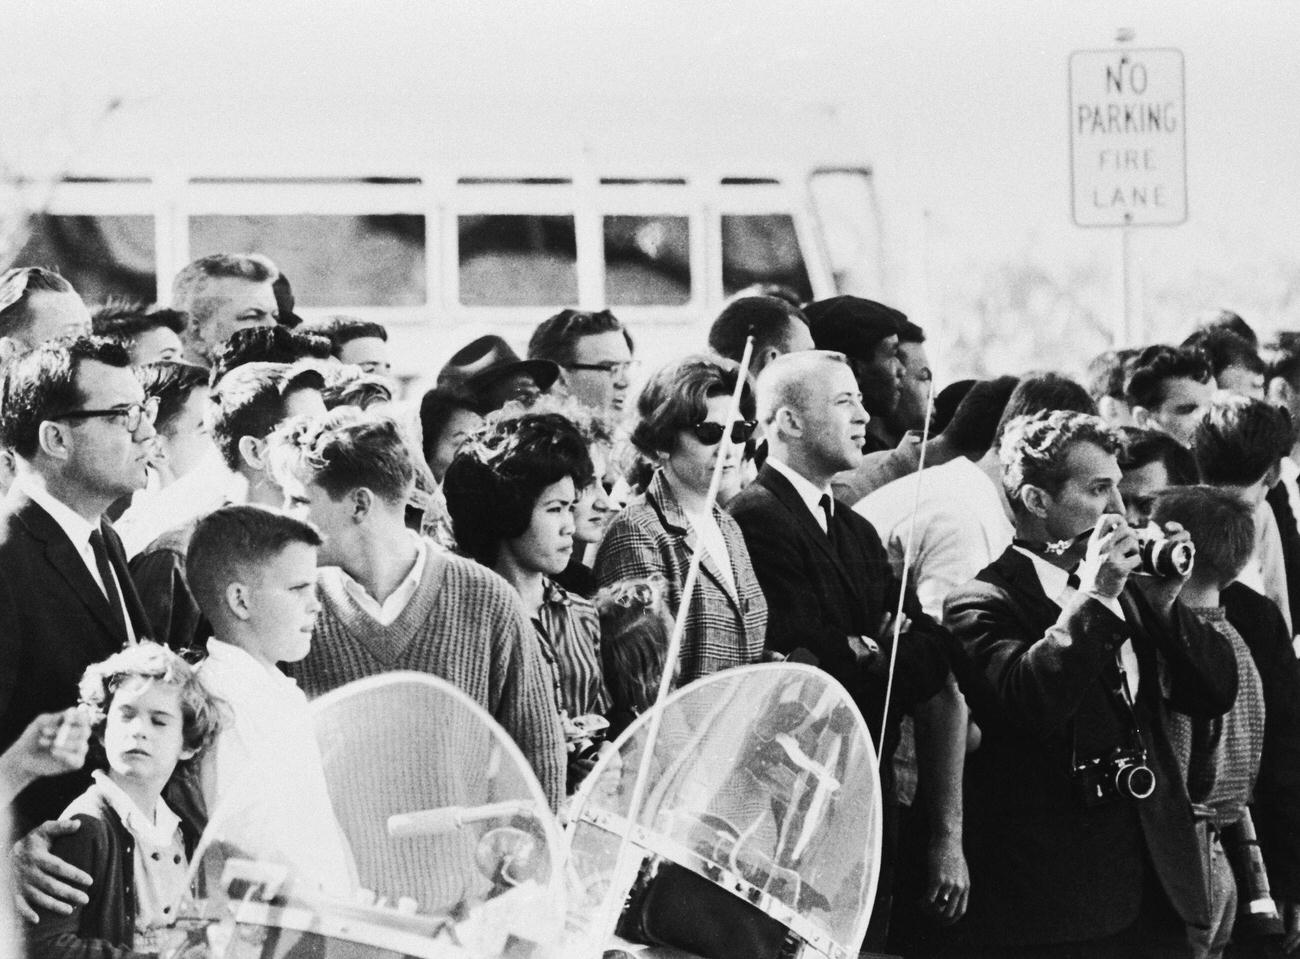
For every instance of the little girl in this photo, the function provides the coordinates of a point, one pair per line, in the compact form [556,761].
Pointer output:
[151,714]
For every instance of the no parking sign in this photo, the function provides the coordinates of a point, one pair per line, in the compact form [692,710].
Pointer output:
[1128,141]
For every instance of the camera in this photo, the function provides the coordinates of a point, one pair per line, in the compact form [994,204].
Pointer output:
[1121,774]
[1158,557]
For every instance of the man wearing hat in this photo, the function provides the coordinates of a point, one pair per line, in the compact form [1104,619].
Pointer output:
[493,374]
[867,333]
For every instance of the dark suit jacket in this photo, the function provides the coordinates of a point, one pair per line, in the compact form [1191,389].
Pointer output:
[1280,503]
[817,598]
[1276,806]
[56,622]
[1044,867]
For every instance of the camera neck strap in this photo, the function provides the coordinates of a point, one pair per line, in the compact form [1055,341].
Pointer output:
[1128,711]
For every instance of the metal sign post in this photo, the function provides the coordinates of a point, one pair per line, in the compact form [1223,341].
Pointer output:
[1128,151]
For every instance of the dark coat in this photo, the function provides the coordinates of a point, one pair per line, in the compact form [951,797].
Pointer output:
[725,626]
[104,849]
[1276,805]
[57,622]
[159,574]
[1044,687]
[817,597]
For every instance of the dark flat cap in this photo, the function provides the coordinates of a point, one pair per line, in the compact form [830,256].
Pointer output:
[852,325]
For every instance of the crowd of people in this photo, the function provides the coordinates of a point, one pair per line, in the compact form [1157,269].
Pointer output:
[1066,610]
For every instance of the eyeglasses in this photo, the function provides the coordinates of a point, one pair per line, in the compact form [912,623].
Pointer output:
[710,434]
[133,416]
[627,367]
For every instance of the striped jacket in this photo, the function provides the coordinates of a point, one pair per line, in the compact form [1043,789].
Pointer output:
[724,626]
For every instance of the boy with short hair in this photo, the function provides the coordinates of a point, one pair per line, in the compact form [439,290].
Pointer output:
[253,572]
[151,714]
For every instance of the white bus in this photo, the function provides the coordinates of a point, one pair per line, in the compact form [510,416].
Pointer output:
[444,229]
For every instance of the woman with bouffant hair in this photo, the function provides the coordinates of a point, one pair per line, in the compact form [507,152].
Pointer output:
[681,429]
[511,497]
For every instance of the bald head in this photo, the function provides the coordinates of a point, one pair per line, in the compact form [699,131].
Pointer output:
[812,409]
[788,380]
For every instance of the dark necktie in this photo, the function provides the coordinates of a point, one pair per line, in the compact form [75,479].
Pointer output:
[828,512]
[110,583]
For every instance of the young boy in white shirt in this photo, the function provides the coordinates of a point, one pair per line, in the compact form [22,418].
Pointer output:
[253,572]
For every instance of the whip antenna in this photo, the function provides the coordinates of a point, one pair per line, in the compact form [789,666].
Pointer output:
[907,564]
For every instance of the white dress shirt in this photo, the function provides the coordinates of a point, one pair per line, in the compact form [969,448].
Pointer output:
[961,526]
[386,613]
[709,536]
[1290,479]
[78,531]
[1056,587]
[264,776]
[154,510]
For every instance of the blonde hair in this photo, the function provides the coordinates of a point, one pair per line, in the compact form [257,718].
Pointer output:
[149,661]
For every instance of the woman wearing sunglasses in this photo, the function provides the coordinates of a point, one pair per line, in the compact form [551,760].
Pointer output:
[682,430]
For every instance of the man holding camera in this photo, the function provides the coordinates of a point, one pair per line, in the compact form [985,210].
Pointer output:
[1078,828]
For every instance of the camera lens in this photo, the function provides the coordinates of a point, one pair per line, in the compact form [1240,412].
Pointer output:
[1136,782]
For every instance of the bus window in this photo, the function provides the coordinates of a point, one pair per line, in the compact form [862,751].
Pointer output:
[102,256]
[762,248]
[845,204]
[517,260]
[647,260]
[335,260]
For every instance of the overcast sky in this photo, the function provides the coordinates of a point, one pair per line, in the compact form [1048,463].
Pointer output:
[962,108]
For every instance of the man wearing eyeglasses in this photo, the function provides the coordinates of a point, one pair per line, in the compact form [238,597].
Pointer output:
[37,305]
[595,352]
[79,425]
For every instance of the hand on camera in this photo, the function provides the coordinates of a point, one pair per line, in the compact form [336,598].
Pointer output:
[1112,554]
[1161,591]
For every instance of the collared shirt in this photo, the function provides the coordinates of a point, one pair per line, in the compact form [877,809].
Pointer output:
[265,771]
[709,535]
[1265,571]
[1056,587]
[154,511]
[961,526]
[810,494]
[1290,479]
[569,633]
[78,530]
[386,613]
[160,865]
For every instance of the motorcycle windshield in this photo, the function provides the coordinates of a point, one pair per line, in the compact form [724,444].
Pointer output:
[452,848]
[763,780]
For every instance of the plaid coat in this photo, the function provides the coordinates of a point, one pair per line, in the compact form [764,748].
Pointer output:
[724,626]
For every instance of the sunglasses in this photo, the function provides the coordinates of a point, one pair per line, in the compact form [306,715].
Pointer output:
[710,434]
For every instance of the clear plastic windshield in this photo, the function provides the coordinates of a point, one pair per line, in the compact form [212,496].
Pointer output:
[455,851]
[763,780]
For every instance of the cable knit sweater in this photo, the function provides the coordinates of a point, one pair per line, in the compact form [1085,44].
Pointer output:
[463,624]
